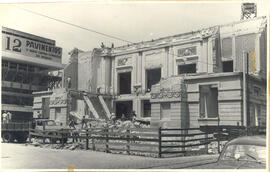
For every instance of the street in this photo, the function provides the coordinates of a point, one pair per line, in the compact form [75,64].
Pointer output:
[20,156]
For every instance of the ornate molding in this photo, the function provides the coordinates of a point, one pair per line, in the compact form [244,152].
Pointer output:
[189,51]
[123,61]
[167,94]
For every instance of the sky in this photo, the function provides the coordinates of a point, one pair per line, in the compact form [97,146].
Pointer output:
[131,21]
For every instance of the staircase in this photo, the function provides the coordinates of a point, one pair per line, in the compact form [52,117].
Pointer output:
[91,106]
[104,105]
[95,105]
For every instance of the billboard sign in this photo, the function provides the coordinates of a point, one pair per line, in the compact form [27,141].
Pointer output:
[30,45]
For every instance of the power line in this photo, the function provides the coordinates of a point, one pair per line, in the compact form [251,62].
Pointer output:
[91,30]
[74,25]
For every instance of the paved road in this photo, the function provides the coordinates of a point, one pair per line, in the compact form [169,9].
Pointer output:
[20,156]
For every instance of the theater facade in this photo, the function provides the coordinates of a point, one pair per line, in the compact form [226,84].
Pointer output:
[186,80]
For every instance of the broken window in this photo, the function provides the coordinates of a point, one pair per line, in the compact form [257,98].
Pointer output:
[208,101]
[165,108]
[152,77]
[125,83]
[188,68]
[146,108]
[227,66]
[226,49]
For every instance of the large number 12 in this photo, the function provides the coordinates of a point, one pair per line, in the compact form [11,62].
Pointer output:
[16,47]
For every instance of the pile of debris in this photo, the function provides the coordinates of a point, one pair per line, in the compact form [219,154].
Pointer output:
[213,147]
[117,126]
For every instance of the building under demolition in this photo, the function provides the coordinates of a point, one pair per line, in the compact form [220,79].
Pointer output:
[187,80]
[26,62]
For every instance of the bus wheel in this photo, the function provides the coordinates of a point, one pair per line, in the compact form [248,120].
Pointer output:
[7,137]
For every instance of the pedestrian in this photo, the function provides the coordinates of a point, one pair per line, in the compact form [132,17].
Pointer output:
[84,123]
[133,115]
[68,82]
[9,116]
[123,117]
[5,117]
[72,124]
[113,117]
[38,114]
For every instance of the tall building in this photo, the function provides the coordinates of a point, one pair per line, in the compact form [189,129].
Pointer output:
[27,64]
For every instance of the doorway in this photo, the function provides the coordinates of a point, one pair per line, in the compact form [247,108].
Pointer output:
[123,107]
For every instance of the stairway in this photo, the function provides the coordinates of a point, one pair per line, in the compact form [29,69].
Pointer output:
[96,107]
[104,105]
[91,107]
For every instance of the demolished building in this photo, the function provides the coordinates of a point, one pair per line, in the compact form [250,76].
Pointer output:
[188,80]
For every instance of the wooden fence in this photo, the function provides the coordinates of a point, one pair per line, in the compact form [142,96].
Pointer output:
[156,141]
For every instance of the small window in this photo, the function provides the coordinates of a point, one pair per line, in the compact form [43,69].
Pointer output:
[208,101]
[227,66]
[189,68]
[146,108]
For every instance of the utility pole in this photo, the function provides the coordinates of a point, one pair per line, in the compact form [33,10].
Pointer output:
[245,90]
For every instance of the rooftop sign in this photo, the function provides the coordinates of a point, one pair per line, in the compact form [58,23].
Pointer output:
[30,45]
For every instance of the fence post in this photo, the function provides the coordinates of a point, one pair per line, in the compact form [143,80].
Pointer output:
[128,141]
[183,132]
[219,135]
[93,140]
[62,139]
[43,138]
[206,143]
[29,132]
[87,140]
[107,139]
[159,142]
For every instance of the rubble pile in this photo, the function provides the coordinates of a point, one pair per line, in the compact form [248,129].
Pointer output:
[117,126]
[213,147]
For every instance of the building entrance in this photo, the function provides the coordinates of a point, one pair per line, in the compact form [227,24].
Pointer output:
[123,108]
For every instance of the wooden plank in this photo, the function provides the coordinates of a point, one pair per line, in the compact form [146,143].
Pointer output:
[175,129]
[117,149]
[144,151]
[181,135]
[174,152]
[116,144]
[190,140]
[144,134]
[145,140]
[144,129]
[183,146]
[143,145]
